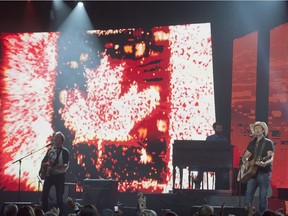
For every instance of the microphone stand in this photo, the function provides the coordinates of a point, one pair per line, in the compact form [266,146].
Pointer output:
[39,182]
[20,161]
[77,181]
[240,176]
[239,187]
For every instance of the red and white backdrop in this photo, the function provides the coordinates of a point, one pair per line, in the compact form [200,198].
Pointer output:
[120,96]
[243,103]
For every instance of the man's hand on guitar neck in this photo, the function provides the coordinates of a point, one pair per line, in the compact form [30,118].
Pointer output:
[265,161]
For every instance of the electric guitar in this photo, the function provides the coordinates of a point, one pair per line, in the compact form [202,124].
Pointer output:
[248,171]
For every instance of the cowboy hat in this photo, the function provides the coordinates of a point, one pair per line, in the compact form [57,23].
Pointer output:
[262,124]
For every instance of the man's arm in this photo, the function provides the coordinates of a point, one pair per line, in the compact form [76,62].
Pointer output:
[270,154]
[246,157]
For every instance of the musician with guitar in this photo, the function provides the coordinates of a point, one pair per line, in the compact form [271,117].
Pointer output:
[257,159]
[53,168]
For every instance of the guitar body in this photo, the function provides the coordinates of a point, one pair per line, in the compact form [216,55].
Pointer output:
[248,171]
[44,171]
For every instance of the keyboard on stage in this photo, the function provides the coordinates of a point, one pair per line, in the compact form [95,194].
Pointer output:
[207,156]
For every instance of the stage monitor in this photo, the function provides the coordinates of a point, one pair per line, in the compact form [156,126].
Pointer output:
[102,193]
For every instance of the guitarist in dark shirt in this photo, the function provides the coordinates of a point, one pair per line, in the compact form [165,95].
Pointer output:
[53,169]
[259,154]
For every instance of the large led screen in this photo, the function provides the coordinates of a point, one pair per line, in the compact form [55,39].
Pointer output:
[120,96]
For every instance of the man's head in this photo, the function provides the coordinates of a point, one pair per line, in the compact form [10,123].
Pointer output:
[218,128]
[259,128]
[38,212]
[10,210]
[58,139]
[89,210]
[26,210]
[206,210]
[148,212]
[141,201]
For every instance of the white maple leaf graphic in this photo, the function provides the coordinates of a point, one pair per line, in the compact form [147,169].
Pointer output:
[103,113]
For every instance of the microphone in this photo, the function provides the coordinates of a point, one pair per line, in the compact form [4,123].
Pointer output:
[253,134]
[49,144]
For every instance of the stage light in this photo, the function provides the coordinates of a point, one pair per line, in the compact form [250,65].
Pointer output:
[78,17]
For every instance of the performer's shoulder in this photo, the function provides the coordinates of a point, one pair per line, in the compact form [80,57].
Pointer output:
[269,140]
[65,149]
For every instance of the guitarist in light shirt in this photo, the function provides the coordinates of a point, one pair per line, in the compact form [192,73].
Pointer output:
[53,168]
[258,157]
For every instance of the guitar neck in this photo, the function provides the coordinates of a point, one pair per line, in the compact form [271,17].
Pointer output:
[265,158]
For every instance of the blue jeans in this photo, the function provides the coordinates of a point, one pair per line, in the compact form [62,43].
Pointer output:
[261,180]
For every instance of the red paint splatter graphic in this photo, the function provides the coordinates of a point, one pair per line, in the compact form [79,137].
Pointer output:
[28,77]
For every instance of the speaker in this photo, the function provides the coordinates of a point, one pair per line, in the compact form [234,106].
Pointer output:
[102,193]
[282,193]
[69,191]
[227,211]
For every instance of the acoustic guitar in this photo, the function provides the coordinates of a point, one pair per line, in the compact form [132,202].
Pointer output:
[248,171]
[44,171]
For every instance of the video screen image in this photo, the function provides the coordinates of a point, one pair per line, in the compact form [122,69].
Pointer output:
[120,97]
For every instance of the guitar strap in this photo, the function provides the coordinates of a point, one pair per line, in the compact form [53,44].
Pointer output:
[257,154]
[56,159]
